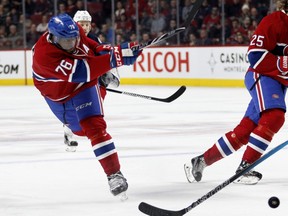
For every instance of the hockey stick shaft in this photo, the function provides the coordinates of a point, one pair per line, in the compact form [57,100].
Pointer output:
[167,35]
[155,211]
[169,99]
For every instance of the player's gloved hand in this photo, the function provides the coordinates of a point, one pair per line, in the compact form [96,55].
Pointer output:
[124,54]
[103,49]
[282,65]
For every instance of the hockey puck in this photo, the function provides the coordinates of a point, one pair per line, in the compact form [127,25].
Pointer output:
[274,202]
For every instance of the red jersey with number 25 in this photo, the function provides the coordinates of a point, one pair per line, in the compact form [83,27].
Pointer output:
[269,41]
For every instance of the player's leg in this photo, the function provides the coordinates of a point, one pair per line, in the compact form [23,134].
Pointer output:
[88,105]
[269,100]
[225,146]
[66,113]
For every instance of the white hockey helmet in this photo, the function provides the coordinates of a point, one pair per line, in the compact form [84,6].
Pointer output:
[82,15]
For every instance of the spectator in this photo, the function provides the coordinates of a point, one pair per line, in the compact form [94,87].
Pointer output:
[236,27]
[172,26]
[2,37]
[8,22]
[102,37]
[233,9]
[212,23]
[145,37]
[32,36]
[124,24]
[120,10]
[246,25]
[15,38]
[62,8]
[133,37]
[14,14]
[254,15]
[43,26]
[107,31]
[79,5]
[192,41]
[119,39]
[2,15]
[145,21]
[42,7]
[164,8]
[186,9]
[30,7]
[203,12]
[204,40]
[158,24]
[239,39]
[245,11]
[70,8]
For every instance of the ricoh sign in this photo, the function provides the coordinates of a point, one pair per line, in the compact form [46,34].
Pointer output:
[190,62]
[185,63]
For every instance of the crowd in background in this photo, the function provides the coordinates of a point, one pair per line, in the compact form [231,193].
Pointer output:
[156,17]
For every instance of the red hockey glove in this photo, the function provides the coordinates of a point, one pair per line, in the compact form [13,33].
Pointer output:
[124,54]
[282,65]
[103,49]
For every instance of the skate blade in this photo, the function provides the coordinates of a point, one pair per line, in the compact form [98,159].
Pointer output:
[247,180]
[122,196]
[71,149]
[188,173]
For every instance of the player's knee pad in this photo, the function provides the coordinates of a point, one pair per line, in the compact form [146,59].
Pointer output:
[242,131]
[272,119]
[95,129]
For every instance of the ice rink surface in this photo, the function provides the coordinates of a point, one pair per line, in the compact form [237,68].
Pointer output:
[39,178]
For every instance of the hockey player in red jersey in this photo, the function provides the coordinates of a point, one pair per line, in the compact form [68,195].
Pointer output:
[111,78]
[66,66]
[266,80]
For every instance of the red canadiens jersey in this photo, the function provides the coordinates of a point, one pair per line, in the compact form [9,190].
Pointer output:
[269,41]
[59,75]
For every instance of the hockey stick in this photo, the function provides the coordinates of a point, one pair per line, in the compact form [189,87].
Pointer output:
[155,211]
[169,99]
[167,35]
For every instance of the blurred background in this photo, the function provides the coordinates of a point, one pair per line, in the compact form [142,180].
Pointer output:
[218,22]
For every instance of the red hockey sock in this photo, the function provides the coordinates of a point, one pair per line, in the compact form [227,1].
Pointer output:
[270,123]
[230,142]
[103,146]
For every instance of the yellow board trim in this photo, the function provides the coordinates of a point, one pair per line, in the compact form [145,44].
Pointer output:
[187,82]
[10,82]
[156,81]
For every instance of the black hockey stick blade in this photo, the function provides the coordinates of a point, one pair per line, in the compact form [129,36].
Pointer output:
[169,99]
[155,211]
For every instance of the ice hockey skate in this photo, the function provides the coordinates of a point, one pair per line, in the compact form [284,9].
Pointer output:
[194,169]
[111,78]
[250,178]
[70,143]
[118,185]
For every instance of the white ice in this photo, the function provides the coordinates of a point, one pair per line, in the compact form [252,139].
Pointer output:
[39,178]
